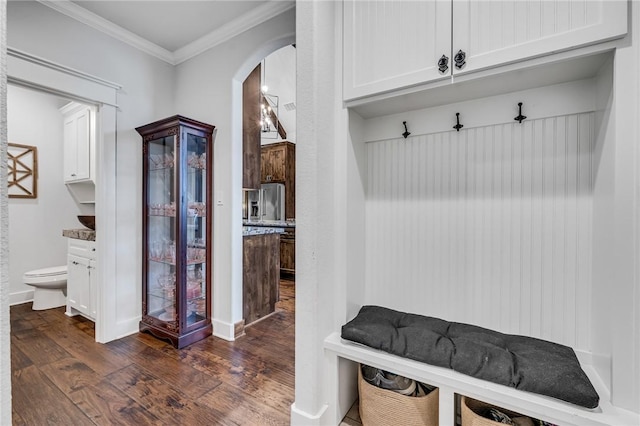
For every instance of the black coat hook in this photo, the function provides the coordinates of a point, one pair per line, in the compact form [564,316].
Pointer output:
[406,132]
[520,117]
[458,126]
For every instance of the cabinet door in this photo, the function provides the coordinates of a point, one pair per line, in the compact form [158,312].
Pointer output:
[77,148]
[493,33]
[391,44]
[195,186]
[277,163]
[273,164]
[161,248]
[287,254]
[93,302]
[78,286]
[264,165]
[261,271]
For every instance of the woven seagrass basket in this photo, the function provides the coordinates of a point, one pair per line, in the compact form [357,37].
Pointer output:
[385,407]
[470,410]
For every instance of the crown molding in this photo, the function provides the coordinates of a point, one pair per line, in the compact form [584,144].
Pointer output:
[220,35]
[81,14]
[233,28]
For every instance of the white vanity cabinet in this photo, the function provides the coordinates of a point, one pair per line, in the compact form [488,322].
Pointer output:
[79,142]
[81,266]
[391,44]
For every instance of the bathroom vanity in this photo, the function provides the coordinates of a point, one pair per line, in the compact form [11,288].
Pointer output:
[81,276]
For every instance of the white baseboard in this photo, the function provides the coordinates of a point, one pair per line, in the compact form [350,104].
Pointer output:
[122,329]
[128,327]
[302,418]
[223,330]
[20,297]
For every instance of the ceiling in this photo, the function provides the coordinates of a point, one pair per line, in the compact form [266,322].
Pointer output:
[172,30]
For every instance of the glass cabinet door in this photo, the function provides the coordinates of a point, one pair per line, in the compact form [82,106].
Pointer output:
[195,187]
[161,289]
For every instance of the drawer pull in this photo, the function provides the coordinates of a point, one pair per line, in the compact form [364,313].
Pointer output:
[459,59]
[443,64]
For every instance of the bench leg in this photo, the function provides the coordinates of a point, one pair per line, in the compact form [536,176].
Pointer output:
[341,386]
[447,407]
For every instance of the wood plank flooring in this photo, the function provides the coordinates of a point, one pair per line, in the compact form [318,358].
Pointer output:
[60,376]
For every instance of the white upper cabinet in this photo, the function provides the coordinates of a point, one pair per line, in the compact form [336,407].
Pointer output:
[390,44]
[492,33]
[79,142]
[395,44]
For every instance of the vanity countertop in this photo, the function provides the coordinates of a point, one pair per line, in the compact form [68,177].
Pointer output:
[80,234]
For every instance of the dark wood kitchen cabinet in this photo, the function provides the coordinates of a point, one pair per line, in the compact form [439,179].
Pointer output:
[288,252]
[272,163]
[251,135]
[261,275]
[278,164]
[176,231]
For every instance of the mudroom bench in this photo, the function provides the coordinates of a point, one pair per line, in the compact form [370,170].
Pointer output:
[341,354]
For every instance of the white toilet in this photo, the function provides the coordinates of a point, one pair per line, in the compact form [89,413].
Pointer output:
[50,287]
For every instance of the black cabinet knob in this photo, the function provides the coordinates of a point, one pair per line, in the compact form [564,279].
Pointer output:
[443,64]
[459,59]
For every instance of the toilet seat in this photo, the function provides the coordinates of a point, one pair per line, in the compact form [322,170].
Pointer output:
[44,275]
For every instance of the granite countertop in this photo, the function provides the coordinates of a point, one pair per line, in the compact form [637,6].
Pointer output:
[270,223]
[80,234]
[260,230]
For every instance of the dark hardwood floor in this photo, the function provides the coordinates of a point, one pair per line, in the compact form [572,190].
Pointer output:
[60,376]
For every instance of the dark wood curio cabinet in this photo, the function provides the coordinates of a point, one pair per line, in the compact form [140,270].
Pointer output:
[177,224]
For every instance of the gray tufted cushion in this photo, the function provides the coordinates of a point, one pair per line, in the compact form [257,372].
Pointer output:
[524,363]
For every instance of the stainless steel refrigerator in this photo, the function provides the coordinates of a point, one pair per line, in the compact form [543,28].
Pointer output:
[267,203]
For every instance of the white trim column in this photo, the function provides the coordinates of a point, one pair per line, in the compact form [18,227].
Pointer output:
[625,333]
[318,193]
[5,348]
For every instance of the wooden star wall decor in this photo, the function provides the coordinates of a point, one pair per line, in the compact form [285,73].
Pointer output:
[22,171]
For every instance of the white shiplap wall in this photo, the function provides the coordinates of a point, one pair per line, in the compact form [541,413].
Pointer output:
[490,226]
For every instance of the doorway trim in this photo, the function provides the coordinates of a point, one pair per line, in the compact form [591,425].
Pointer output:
[45,76]
[225,327]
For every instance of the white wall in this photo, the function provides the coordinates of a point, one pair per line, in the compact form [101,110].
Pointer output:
[489,226]
[35,227]
[280,75]
[209,88]
[146,96]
